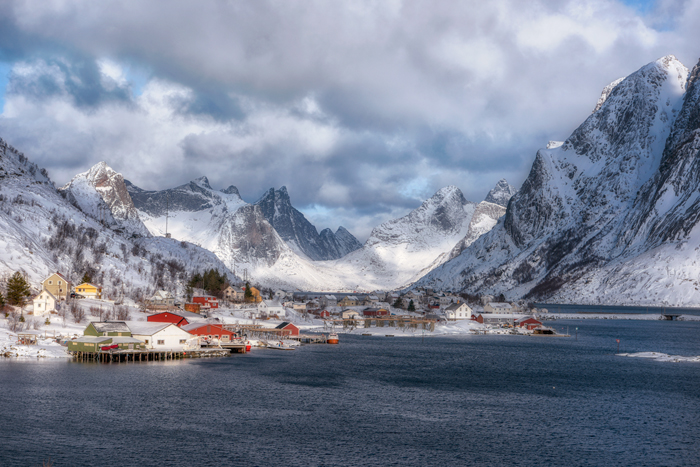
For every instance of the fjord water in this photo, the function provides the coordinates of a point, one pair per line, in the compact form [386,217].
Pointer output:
[473,400]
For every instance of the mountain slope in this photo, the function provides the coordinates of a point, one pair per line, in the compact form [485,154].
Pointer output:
[298,232]
[572,215]
[42,232]
[101,193]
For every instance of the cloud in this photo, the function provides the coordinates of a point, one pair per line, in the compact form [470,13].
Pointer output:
[362,109]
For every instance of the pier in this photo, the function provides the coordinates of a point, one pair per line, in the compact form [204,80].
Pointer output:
[126,356]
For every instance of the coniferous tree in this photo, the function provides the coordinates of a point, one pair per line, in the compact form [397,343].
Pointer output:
[398,303]
[411,306]
[17,290]
[86,278]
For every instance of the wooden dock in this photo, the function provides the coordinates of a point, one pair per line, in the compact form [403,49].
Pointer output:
[126,356]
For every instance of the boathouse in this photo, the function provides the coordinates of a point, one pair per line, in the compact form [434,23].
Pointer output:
[528,323]
[211,331]
[288,329]
[159,336]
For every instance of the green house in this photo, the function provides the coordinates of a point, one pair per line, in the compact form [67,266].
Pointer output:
[95,343]
[107,328]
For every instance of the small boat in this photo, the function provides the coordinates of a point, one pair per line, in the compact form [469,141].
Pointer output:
[332,338]
[279,346]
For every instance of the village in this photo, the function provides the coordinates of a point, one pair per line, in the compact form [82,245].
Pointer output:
[76,321]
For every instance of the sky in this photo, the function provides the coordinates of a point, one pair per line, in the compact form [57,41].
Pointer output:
[362,109]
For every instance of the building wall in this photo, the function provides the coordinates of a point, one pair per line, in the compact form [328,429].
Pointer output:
[171,337]
[58,286]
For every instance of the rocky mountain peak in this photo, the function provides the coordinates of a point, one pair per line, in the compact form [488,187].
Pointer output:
[203,182]
[501,193]
[100,186]
[231,190]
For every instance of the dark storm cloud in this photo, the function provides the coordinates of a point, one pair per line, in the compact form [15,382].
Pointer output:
[78,78]
[362,109]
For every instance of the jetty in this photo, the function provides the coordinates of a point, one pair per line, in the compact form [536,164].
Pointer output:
[149,355]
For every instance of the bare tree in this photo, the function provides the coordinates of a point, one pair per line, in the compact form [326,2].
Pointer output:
[122,313]
[77,311]
[15,322]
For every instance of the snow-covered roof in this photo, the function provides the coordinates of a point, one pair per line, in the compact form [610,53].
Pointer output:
[125,340]
[46,292]
[331,297]
[146,328]
[92,339]
[184,314]
[501,316]
[191,326]
[503,305]
[110,326]
[351,297]
[453,306]
[162,295]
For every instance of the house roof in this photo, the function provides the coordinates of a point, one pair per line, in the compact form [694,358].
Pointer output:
[44,291]
[453,306]
[110,326]
[525,318]
[147,328]
[351,297]
[92,339]
[193,326]
[501,316]
[162,294]
[181,313]
[57,274]
[499,305]
[87,283]
[284,325]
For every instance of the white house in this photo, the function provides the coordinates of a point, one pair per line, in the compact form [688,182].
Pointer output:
[497,307]
[457,311]
[162,298]
[159,336]
[44,303]
[350,314]
[271,307]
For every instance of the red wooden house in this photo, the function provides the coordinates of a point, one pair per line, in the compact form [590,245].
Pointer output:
[206,301]
[288,329]
[211,331]
[375,312]
[528,323]
[324,314]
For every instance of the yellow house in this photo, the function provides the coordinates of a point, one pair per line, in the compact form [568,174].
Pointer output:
[57,285]
[88,290]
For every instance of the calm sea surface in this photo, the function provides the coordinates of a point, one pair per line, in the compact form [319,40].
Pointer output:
[475,400]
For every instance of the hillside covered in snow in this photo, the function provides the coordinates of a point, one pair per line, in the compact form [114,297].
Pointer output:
[43,230]
[609,216]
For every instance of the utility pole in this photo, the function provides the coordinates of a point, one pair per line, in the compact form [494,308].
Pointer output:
[167,209]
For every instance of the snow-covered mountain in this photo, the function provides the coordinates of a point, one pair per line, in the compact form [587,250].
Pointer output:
[101,193]
[274,243]
[41,232]
[610,215]
[400,251]
[220,221]
[340,243]
[501,193]
[299,233]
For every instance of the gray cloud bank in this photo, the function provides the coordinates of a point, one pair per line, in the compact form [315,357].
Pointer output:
[362,109]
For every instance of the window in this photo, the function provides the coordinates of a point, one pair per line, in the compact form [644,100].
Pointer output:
[59,282]
[183,341]
[146,341]
[161,342]
[131,346]
[50,282]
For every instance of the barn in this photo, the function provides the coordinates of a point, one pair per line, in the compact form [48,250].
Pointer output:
[214,331]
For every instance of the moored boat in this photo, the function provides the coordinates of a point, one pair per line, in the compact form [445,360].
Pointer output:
[332,338]
[280,346]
